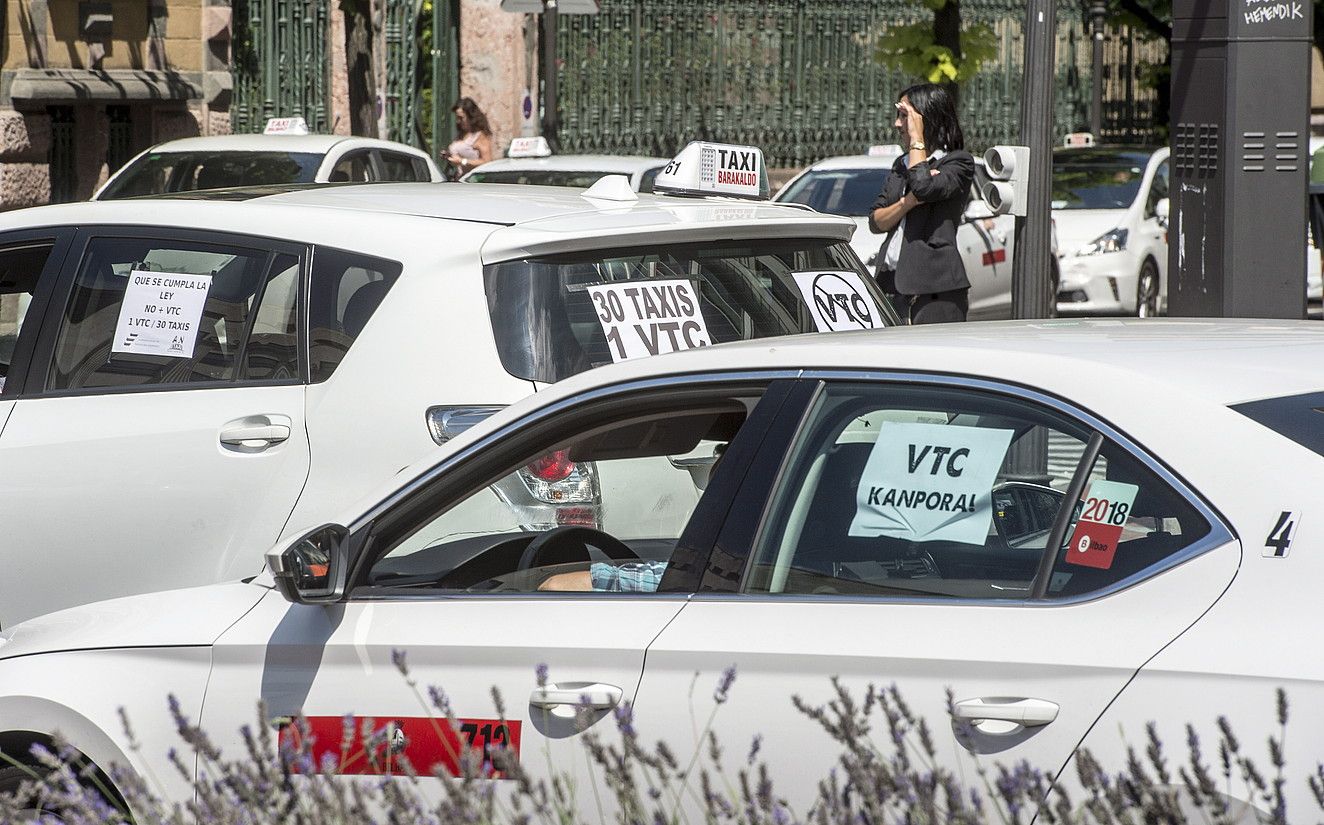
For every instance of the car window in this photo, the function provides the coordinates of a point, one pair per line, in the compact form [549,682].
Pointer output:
[20,267]
[273,344]
[163,172]
[538,177]
[400,167]
[1097,180]
[346,290]
[549,325]
[1158,188]
[929,492]
[354,167]
[146,311]
[849,192]
[601,510]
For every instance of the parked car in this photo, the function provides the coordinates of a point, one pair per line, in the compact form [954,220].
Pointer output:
[849,185]
[191,164]
[530,161]
[1110,207]
[879,515]
[192,374]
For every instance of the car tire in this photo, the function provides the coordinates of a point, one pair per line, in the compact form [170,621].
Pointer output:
[1147,290]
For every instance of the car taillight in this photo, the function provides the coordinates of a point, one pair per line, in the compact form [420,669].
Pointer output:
[555,466]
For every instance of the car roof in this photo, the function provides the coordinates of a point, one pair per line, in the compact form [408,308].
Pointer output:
[1106,153]
[548,218]
[618,164]
[312,144]
[854,162]
[1218,361]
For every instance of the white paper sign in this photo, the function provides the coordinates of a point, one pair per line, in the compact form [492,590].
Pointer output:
[160,314]
[930,482]
[649,317]
[838,301]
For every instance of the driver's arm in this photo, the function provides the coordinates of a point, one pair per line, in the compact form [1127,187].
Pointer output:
[633,577]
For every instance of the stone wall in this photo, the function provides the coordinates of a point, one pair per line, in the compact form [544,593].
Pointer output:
[492,65]
[25,142]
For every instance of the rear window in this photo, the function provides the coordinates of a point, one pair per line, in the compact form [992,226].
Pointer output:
[1298,417]
[549,314]
[155,174]
[538,177]
[849,192]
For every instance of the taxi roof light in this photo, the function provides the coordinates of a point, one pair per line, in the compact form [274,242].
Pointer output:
[704,168]
[285,126]
[882,150]
[529,147]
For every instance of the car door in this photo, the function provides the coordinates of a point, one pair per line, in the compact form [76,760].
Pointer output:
[904,547]
[516,567]
[149,447]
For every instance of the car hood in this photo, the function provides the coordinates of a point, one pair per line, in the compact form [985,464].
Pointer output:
[1077,227]
[193,617]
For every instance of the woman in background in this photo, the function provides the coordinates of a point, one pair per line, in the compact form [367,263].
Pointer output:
[473,147]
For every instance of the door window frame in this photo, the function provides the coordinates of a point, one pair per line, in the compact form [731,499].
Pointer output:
[450,482]
[1219,534]
[38,372]
[22,369]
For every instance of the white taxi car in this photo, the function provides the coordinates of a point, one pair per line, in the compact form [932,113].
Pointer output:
[878,515]
[191,374]
[1110,206]
[190,164]
[849,185]
[530,161]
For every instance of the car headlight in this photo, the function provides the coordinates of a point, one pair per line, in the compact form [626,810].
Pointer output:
[1114,240]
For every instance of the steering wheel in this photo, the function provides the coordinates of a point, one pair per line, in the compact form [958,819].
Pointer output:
[544,548]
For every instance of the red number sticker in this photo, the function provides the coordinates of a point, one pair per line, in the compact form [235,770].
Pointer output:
[428,744]
[1099,530]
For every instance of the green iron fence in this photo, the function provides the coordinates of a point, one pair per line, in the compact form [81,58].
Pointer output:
[796,77]
[402,98]
[280,63]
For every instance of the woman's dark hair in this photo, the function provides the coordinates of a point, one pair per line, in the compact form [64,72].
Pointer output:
[477,120]
[935,105]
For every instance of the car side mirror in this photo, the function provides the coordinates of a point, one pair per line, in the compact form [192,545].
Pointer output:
[1161,210]
[314,569]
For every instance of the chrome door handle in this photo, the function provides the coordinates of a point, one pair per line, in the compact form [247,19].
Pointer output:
[580,694]
[1028,712]
[256,431]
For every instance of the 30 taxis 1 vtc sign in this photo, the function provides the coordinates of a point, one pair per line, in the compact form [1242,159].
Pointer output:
[160,314]
[930,482]
[649,317]
[837,301]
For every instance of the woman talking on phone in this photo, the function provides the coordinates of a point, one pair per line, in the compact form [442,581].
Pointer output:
[920,208]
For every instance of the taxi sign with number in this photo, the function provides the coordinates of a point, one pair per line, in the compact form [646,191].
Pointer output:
[286,126]
[529,147]
[716,169]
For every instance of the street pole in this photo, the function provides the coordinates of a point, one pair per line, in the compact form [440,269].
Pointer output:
[1031,291]
[1030,282]
[549,118]
[1098,13]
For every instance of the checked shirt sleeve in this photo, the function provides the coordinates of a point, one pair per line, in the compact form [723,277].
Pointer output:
[632,577]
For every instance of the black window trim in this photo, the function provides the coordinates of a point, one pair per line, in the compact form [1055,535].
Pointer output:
[23,372]
[38,373]
[1220,529]
[456,476]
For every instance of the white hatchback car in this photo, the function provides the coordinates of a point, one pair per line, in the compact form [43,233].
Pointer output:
[579,171]
[849,185]
[190,375]
[1109,205]
[190,164]
[881,514]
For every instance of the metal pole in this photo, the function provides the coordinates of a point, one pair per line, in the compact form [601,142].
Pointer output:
[1030,283]
[1098,11]
[439,101]
[549,118]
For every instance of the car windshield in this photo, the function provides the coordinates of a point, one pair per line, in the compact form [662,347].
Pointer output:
[849,192]
[556,316]
[163,172]
[539,177]
[1097,179]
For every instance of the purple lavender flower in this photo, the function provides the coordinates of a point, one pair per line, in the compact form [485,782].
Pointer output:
[540,672]
[398,659]
[724,685]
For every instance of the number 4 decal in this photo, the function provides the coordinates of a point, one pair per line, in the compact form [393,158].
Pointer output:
[1280,537]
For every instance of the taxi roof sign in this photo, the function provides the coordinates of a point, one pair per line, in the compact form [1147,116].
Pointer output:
[704,168]
[286,126]
[529,147]
[884,149]
[1078,139]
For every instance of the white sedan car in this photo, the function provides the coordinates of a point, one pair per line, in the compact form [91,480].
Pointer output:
[235,362]
[579,171]
[881,514]
[190,164]
[849,185]
[1109,205]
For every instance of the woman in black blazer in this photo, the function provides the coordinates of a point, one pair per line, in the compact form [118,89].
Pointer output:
[920,207]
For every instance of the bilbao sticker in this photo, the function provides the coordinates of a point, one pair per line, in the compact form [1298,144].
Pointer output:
[160,314]
[643,318]
[1099,529]
[838,301]
[930,482]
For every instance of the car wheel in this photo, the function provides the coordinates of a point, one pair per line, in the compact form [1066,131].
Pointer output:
[1147,290]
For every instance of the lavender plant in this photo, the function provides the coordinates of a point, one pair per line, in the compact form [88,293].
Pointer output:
[887,772]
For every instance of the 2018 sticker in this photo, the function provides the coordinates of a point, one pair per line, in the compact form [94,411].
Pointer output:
[1099,530]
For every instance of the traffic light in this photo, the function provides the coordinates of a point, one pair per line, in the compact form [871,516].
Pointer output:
[1008,167]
